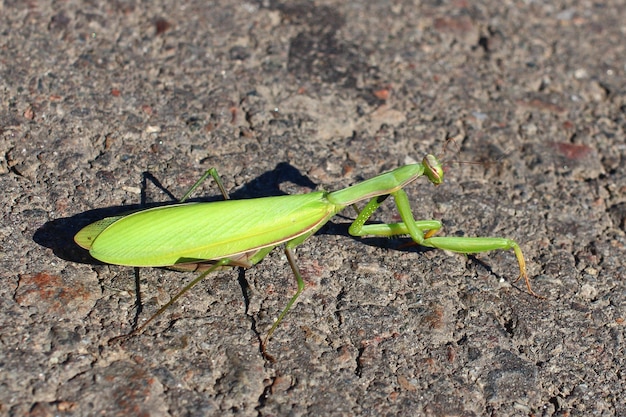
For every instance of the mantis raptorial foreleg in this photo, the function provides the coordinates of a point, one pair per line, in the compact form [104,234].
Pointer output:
[416,230]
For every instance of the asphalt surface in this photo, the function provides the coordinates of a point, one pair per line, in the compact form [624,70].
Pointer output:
[112,106]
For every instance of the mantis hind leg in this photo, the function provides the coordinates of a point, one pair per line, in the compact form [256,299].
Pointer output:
[219,264]
[212,172]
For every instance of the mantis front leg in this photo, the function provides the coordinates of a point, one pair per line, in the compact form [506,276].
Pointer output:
[416,230]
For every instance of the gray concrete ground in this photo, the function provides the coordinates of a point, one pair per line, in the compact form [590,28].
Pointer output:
[110,104]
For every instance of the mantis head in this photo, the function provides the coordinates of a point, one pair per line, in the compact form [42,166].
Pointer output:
[433,169]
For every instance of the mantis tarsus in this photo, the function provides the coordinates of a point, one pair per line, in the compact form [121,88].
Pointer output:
[209,236]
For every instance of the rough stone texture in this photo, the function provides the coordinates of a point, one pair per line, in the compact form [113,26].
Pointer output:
[281,97]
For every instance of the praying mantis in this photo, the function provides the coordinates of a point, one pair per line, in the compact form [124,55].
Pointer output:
[240,233]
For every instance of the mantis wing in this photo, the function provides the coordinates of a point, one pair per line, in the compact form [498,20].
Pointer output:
[194,232]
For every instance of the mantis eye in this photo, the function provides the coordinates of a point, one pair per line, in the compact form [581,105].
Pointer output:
[433,169]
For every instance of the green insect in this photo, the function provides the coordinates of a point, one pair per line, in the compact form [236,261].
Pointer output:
[230,233]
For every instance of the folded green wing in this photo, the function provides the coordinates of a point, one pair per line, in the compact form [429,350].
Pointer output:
[193,232]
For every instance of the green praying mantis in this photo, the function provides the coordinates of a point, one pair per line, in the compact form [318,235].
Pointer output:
[240,233]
